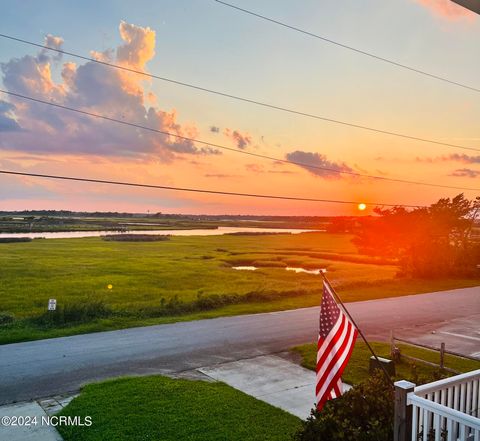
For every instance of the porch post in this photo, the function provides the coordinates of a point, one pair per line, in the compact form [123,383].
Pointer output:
[402,425]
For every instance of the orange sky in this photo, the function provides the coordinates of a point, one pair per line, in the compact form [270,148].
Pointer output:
[328,82]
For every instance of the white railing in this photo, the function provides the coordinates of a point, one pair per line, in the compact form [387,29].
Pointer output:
[447,410]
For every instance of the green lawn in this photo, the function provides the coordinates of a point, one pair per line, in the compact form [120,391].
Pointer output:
[159,408]
[149,277]
[357,368]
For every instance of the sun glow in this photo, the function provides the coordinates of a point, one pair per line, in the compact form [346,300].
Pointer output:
[362,206]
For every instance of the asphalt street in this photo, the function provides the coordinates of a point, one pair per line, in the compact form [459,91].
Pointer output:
[44,368]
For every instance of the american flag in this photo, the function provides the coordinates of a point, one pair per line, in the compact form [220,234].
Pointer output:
[336,340]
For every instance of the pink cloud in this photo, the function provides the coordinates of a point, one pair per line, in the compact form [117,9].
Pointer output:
[255,168]
[465,173]
[447,9]
[318,164]
[242,140]
[453,157]
[94,88]
[258,168]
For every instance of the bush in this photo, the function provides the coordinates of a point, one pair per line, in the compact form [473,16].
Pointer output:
[14,239]
[176,306]
[136,237]
[365,413]
[6,318]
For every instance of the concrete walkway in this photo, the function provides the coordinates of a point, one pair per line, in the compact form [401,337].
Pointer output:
[34,432]
[271,379]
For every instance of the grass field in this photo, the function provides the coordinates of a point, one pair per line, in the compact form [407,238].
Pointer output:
[357,368]
[181,279]
[159,408]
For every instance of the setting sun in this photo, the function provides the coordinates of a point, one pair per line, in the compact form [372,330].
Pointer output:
[362,206]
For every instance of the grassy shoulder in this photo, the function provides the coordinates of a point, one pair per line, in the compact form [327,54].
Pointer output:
[160,408]
[28,330]
[184,278]
[357,368]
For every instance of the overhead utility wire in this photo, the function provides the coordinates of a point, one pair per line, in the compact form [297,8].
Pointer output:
[198,190]
[210,144]
[351,48]
[246,100]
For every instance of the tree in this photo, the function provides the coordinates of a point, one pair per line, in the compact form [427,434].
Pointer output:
[427,241]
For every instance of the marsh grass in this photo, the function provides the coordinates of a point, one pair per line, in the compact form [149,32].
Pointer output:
[183,278]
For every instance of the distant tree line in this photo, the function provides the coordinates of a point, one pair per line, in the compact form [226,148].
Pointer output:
[160,215]
[67,213]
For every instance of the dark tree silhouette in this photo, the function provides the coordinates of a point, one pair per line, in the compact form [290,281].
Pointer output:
[442,239]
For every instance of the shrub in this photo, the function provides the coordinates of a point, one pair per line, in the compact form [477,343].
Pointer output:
[136,237]
[365,413]
[176,306]
[14,239]
[6,318]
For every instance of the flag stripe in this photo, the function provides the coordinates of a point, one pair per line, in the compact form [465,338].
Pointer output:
[333,377]
[323,344]
[325,349]
[336,362]
[336,340]
[343,363]
[322,401]
[336,390]
[332,352]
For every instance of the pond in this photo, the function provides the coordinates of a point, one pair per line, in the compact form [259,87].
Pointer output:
[308,271]
[288,268]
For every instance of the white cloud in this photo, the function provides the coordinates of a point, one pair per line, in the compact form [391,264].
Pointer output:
[98,89]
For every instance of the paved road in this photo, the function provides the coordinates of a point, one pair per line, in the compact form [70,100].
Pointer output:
[48,367]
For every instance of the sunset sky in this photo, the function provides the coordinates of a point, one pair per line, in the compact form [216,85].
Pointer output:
[213,46]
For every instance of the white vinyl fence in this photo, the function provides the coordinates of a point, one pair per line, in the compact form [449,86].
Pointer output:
[445,410]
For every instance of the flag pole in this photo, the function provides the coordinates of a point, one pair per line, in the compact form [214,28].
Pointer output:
[339,300]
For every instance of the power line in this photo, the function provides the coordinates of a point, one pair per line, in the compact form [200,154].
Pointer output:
[243,99]
[198,190]
[350,48]
[219,146]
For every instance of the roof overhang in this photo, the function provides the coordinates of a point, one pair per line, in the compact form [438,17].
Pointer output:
[473,5]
